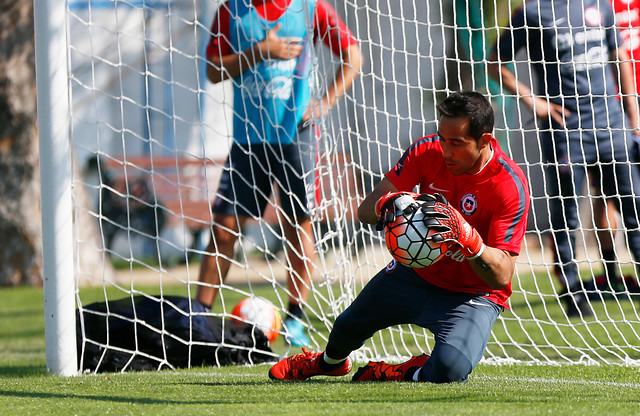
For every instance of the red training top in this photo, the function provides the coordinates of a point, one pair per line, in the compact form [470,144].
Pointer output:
[628,21]
[327,26]
[494,201]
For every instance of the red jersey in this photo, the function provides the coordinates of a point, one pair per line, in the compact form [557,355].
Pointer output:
[494,201]
[328,26]
[628,22]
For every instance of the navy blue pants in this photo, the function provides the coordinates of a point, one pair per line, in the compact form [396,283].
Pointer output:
[607,157]
[460,322]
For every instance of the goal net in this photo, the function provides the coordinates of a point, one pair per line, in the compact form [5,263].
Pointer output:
[150,135]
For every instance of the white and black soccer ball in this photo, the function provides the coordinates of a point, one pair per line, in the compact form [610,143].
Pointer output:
[406,239]
[259,312]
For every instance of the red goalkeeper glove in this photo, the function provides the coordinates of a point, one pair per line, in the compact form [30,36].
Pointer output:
[387,204]
[450,225]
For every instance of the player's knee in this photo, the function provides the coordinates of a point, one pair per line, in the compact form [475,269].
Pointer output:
[341,327]
[222,237]
[345,337]
[447,365]
[224,232]
[342,323]
[300,266]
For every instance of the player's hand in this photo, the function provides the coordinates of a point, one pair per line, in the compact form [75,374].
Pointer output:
[431,198]
[387,205]
[544,110]
[317,109]
[634,123]
[450,225]
[276,47]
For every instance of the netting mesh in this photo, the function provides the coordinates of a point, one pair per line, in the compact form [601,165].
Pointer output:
[151,136]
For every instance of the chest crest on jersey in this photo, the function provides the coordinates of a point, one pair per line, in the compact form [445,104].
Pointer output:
[468,204]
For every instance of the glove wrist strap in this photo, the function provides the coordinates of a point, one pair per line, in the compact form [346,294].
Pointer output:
[478,254]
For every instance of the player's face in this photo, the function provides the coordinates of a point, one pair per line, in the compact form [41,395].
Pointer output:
[462,153]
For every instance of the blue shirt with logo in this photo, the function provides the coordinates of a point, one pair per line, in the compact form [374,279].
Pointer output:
[271,97]
[569,44]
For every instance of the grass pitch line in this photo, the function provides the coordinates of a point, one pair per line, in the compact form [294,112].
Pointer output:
[487,378]
[215,374]
[559,381]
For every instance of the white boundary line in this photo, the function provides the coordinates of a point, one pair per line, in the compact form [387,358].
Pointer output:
[481,377]
[558,381]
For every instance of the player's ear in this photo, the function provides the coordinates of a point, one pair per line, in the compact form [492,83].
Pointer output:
[485,140]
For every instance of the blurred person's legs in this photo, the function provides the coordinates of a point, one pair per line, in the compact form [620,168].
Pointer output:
[238,198]
[300,251]
[296,174]
[604,211]
[251,174]
[604,216]
[244,192]
[565,181]
[215,264]
[621,184]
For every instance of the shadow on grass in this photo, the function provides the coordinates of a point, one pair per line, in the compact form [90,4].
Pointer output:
[113,399]
[22,313]
[29,333]
[22,371]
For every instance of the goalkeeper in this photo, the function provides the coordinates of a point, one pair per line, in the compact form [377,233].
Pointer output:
[480,206]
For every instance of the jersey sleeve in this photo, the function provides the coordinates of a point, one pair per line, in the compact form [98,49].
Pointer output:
[329,27]
[406,174]
[614,40]
[219,41]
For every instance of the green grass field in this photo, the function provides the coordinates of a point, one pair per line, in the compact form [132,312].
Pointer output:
[25,388]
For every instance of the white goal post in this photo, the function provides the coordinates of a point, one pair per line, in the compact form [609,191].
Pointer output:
[55,171]
[123,99]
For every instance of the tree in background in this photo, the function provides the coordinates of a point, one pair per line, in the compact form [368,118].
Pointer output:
[20,221]
[20,214]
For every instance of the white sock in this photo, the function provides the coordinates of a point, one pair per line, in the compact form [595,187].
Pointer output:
[416,375]
[332,361]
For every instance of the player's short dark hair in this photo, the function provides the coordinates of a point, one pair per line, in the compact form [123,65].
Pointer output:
[473,106]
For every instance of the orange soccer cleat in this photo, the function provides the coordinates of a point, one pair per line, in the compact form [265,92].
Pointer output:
[305,365]
[380,371]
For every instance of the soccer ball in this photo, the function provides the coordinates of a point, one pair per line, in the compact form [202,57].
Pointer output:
[261,313]
[405,238]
